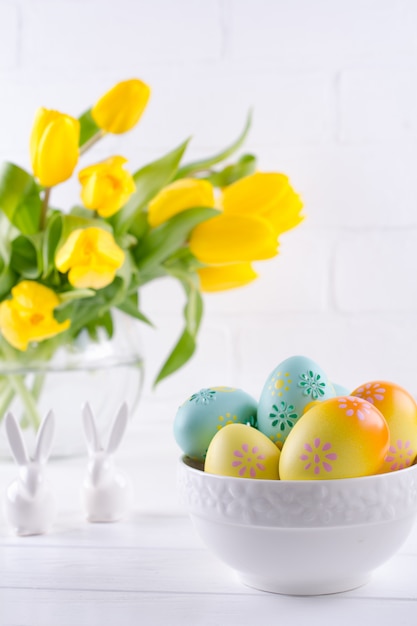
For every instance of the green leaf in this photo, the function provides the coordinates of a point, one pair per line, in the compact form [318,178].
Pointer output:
[88,127]
[245,166]
[19,198]
[149,181]
[164,240]
[186,345]
[52,236]
[205,164]
[26,256]
[7,281]
[76,294]
[131,307]
[105,321]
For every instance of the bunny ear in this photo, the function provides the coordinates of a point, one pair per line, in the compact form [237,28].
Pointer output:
[17,445]
[90,429]
[118,429]
[44,438]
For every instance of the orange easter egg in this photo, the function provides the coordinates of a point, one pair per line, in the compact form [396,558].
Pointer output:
[242,451]
[400,411]
[341,437]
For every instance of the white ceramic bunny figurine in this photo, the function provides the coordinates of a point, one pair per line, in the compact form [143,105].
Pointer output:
[106,492]
[30,504]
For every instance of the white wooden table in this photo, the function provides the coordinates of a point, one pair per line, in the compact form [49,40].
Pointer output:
[151,569]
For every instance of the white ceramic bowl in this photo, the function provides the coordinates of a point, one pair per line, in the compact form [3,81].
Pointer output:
[301,537]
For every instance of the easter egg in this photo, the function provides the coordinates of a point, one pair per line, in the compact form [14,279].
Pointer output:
[206,412]
[291,386]
[340,390]
[400,411]
[342,437]
[242,451]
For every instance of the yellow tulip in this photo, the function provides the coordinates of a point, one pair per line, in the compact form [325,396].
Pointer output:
[180,195]
[28,315]
[106,186]
[221,277]
[266,194]
[54,146]
[120,109]
[233,239]
[91,257]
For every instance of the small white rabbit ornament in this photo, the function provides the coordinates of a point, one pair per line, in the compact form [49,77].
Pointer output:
[30,506]
[107,491]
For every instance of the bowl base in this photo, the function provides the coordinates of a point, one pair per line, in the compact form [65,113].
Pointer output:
[300,588]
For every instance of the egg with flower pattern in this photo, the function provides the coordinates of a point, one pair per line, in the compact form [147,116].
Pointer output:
[291,386]
[400,411]
[342,437]
[243,452]
[206,412]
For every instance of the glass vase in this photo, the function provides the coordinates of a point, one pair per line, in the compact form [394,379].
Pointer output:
[104,372]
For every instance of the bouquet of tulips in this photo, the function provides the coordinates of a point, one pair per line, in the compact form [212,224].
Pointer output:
[66,272]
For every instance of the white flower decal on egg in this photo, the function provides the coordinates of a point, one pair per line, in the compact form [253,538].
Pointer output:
[312,385]
[355,407]
[372,392]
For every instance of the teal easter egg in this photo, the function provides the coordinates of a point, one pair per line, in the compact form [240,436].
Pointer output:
[291,386]
[341,390]
[206,412]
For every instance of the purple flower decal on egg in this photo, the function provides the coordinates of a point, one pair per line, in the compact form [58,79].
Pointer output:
[355,407]
[318,457]
[372,392]
[312,385]
[400,455]
[248,460]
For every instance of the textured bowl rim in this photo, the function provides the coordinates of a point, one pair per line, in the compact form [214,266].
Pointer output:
[191,465]
[298,503]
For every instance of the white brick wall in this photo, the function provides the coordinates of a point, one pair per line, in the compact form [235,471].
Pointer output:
[334,89]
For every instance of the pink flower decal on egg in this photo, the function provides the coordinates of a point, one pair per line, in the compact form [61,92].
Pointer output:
[371,392]
[400,456]
[355,407]
[249,460]
[318,456]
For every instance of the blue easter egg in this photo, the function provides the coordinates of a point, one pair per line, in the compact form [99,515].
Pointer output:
[341,390]
[291,386]
[206,412]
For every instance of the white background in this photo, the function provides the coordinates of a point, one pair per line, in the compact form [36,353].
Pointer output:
[333,85]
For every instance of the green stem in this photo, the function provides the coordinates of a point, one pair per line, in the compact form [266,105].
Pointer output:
[18,384]
[44,208]
[88,144]
[38,385]
[6,396]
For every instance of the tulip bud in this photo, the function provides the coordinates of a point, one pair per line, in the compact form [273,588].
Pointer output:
[106,186]
[120,109]
[54,146]
[91,257]
[28,315]
[178,196]
[222,277]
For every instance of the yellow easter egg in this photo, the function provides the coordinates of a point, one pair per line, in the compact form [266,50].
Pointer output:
[400,411]
[341,437]
[242,451]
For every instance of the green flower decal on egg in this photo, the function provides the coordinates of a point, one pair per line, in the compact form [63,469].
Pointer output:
[312,385]
[204,396]
[283,415]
